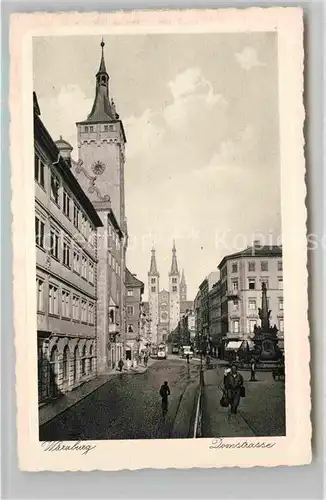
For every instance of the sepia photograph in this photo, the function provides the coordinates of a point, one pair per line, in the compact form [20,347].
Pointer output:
[166,208]
[158,237]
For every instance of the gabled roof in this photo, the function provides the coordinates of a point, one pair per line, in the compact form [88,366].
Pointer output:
[254,251]
[132,282]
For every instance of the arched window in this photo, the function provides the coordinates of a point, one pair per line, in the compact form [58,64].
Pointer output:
[91,352]
[76,364]
[83,361]
[111,316]
[53,372]
[65,363]
[130,329]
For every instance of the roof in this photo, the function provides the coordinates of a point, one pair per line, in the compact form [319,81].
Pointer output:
[254,251]
[132,282]
[174,264]
[62,144]
[42,136]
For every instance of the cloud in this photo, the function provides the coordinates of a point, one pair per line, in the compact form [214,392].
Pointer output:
[232,158]
[144,133]
[61,112]
[193,96]
[248,58]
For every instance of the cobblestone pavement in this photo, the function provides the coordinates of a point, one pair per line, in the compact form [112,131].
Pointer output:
[261,412]
[129,407]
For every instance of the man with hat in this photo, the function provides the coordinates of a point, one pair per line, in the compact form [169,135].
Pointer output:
[233,382]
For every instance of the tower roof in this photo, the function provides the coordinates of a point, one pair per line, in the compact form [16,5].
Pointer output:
[174,264]
[153,267]
[183,279]
[102,110]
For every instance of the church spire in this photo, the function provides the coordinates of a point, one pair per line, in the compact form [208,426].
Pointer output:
[102,110]
[153,267]
[174,265]
[183,279]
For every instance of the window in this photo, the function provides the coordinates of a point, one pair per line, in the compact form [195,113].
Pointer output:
[174,289]
[252,304]
[236,305]
[84,311]
[84,267]
[66,204]
[83,227]
[39,168]
[153,289]
[234,267]
[111,316]
[106,128]
[91,313]
[174,280]
[66,253]
[91,272]
[39,232]
[76,264]
[236,326]
[252,324]
[130,329]
[264,280]
[130,293]
[91,237]
[264,266]
[53,299]
[39,295]
[86,129]
[251,283]
[280,265]
[91,129]
[280,283]
[76,216]
[281,325]
[54,243]
[55,186]
[280,304]
[235,286]
[91,354]
[153,280]
[251,267]
[83,361]
[75,308]
[110,230]
[65,304]
[110,259]
[65,363]
[111,127]
[130,310]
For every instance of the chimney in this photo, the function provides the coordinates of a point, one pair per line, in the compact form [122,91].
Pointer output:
[256,244]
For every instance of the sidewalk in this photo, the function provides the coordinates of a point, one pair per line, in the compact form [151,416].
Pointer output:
[217,421]
[50,410]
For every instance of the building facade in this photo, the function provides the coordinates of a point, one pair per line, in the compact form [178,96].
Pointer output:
[135,290]
[166,306]
[66,226]
[215,325]
[100,172]
[242,275]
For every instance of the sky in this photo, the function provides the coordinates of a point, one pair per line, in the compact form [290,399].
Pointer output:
[200,113]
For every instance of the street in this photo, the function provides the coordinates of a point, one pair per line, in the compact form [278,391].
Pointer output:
[261,412]
[129,406]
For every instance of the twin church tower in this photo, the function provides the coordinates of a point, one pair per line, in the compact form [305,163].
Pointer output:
[165,306]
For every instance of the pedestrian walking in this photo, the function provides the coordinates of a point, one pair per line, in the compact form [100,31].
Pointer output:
[145,360]
[164,393]
[188,358]
[120,365]
[253,370]
[233,382]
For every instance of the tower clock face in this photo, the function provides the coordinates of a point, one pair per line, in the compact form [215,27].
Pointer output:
[98,167]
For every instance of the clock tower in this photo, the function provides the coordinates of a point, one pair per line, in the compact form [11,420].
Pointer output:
[100,172]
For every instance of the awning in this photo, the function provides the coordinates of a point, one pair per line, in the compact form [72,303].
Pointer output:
[233,345]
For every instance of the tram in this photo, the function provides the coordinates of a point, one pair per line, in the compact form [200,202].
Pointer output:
[162,351]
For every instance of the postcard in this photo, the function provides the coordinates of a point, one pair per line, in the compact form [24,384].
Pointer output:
[159,239]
